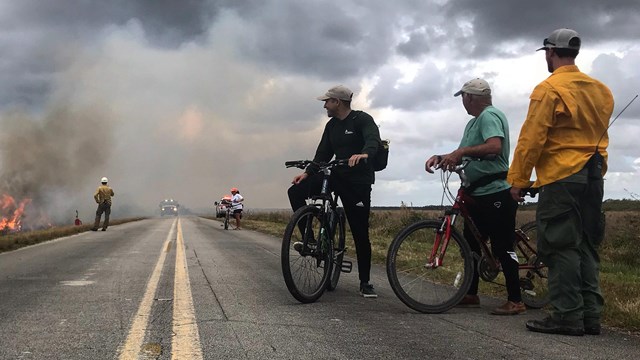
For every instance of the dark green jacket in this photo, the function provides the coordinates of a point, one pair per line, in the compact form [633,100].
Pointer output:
[357,134]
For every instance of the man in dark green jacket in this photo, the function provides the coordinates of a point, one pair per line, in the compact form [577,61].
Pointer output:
[352,135]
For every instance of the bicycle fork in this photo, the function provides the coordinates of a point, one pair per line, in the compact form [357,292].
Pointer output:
[440,243]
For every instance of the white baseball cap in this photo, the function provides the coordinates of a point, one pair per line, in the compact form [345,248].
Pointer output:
[339,92]
[475,86]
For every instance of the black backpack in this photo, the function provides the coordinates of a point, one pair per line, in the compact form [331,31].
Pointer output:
[382,156]
[379,162]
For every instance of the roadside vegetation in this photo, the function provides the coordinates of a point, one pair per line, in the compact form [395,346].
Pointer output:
[620,253]
[16,240]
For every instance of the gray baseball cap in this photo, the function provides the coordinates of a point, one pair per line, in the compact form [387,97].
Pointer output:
[339,92]
[475,86]
[562,39]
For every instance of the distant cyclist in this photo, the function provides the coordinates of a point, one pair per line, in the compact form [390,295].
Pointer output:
[493,209]
[237,206]
[352,135]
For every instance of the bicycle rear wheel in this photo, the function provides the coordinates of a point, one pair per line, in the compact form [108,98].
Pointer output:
[305,257]
[422,287]
[533,278]
[338,240]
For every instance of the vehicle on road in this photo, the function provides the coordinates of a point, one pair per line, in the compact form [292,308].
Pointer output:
[313,245]
[430,264]
[169,207]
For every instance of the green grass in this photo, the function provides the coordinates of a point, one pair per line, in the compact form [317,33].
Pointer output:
[619,253]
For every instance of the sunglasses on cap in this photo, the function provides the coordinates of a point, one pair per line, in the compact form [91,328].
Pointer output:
[546,42]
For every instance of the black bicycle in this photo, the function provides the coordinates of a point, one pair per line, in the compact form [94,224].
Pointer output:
[313,245]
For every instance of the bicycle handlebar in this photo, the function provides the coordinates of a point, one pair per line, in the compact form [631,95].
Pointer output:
[302,164]
[532,192]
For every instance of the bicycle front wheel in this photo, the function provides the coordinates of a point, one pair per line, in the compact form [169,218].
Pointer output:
[226,222]
[417,282]
[533,273]
[305,257]
[338,249]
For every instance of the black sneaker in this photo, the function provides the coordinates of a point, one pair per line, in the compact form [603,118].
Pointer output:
[297,246]
[366,290]
[551,326]
[593,329]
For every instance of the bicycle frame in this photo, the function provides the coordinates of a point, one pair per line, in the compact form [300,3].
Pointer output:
[448,221]
[459,208]
[328,205]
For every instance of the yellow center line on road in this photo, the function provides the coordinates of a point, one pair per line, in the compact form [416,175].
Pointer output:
[133,345]
[185,343]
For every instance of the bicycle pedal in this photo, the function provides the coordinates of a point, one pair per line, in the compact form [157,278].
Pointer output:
[346,266]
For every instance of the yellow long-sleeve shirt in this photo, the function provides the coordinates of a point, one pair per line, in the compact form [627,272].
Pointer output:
[568,114]
[103,194]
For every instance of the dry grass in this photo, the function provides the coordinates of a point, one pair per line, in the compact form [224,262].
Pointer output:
[13,241]
[620,254]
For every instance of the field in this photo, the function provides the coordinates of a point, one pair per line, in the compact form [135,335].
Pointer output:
[620,253]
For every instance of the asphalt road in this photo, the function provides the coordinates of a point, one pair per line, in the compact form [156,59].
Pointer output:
[162,289]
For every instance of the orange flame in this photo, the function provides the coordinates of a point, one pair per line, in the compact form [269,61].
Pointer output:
[11,213]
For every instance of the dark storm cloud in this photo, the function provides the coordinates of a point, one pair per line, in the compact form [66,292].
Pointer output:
[166,22]
[502,23]
[35,36]
[329,40]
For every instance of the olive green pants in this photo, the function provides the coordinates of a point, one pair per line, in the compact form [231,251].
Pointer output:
[106,209]
[570,230]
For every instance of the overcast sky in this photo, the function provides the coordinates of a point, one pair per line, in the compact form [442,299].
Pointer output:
[187,99]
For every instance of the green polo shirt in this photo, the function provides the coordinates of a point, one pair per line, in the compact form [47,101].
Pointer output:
[490,123]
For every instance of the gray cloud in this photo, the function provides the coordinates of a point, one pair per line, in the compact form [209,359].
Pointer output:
[197,96]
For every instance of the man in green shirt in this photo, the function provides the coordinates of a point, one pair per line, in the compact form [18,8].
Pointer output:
[493,209]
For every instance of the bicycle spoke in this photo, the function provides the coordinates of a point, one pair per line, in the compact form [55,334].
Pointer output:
[304,264]
[428,289]
[533,278]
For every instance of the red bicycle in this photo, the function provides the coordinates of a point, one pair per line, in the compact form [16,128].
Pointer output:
[430,264]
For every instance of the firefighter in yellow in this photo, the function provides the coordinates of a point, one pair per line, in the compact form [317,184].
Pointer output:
[103,198]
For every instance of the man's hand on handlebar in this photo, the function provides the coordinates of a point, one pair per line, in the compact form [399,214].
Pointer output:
[446,162]
[297,179]
[355,159]
[433,162]
[517,194]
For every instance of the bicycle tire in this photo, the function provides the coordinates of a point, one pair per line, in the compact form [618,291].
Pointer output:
[533,282]
[226,222]
[338,239]
[306,274]
[444,286]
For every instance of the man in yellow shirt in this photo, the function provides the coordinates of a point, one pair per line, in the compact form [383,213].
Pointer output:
[103,198]
[564,137]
